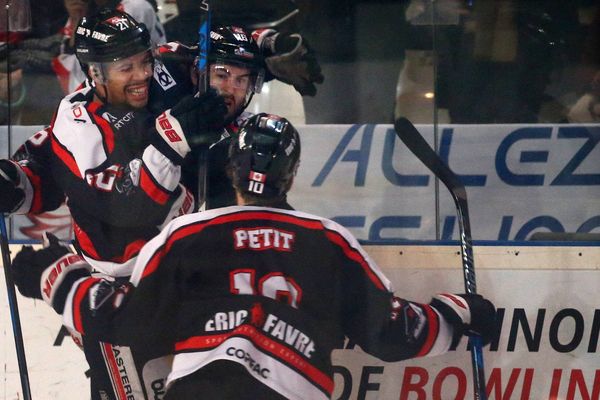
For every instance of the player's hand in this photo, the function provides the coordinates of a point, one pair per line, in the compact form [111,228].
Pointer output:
[41,273]
[194,121]
[293,62]
[11,195]
[468,313]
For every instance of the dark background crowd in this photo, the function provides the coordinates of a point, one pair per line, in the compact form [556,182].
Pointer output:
[454,61]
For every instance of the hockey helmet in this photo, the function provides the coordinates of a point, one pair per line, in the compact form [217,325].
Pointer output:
[233,45]
[108,36]
[265,155]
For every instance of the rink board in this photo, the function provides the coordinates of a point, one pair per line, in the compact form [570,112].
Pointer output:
[547,347]
[520,179]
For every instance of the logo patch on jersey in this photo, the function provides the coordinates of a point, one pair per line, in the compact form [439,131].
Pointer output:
[163,77]
[109,117]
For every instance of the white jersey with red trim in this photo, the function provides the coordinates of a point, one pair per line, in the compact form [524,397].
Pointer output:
[120,189]
[271,290]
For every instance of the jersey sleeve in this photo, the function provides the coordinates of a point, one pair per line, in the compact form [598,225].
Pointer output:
[108,169]
[32,159]
[127,312]
[383,325]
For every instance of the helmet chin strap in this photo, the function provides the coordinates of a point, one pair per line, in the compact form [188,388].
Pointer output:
[103,99]
[101,76]
[247,103]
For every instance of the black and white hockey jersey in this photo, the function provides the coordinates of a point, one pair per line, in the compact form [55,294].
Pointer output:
[271,290]
[119,189]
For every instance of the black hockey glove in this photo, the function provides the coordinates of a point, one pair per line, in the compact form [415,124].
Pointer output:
[291,60]
[194,121]
[11,195]
[467,313]
[48,273]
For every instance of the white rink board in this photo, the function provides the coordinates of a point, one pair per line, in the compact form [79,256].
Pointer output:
[556,286]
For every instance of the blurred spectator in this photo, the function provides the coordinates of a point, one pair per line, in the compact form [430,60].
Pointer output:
[249,14]
[33,83]
[497,61]
[587,107]
[17,93]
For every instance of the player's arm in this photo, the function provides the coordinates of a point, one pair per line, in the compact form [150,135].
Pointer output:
[402,329]
[26,182]
[392,328]
[144,188]
[116,312]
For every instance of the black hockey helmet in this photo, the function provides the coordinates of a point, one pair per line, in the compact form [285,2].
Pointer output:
[265,155]
[109,35]
[234,45]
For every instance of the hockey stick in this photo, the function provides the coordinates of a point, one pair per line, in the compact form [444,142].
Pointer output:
[411,137]
[14,311]
[4,248]
[203,85]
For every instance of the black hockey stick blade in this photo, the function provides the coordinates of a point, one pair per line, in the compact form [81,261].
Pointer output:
[411,137]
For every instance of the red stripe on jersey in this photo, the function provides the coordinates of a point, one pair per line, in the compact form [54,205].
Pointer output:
[355,256]
[115,377]
[80,293]
[152,189]
[432,332]
[36,202]
[85,242]
[284,353]
[132,250]
[196,227]
[66,157]
[89,249]
[105,128]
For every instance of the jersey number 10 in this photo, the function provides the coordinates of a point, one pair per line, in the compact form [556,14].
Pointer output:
[274,285]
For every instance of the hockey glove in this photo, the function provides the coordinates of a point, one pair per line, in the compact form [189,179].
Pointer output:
[194,121]
[293,62]
[11,195]
[48,273]
[467,313]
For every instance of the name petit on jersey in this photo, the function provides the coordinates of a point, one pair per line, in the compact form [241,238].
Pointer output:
[263,239]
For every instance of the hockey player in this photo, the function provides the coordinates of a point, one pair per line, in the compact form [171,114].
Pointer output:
[252,298]
[120,176]
[121,189]
[239,64]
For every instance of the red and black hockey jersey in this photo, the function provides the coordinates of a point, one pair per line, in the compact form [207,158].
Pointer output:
[271,290]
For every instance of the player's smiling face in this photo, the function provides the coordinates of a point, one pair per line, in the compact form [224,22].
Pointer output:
[128,80]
